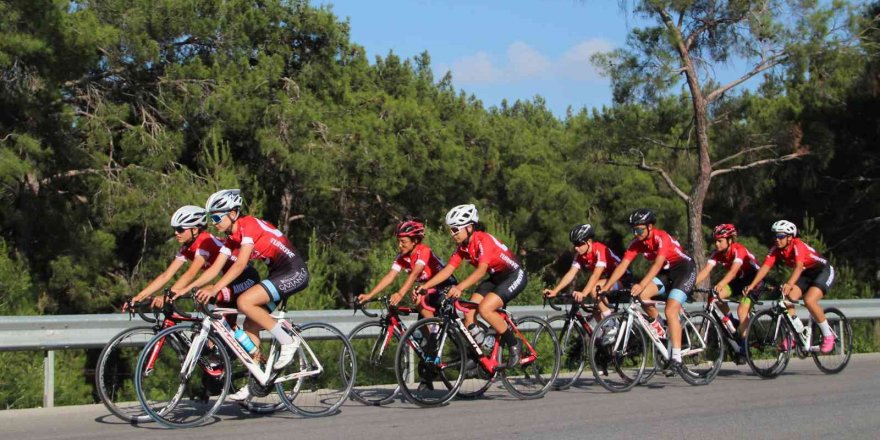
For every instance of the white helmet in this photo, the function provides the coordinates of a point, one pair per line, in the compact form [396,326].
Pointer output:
[462,215]
[784,227]
[189,216]
[224,200]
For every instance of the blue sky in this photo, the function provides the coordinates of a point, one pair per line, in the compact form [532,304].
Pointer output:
[513,49]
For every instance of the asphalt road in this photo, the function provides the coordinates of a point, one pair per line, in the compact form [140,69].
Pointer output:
[802,403]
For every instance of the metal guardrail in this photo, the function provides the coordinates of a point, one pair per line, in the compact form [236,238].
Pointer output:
[64,332]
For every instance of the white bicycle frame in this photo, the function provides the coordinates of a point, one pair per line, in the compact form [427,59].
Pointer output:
[228,337]
[804,337]
[637,317]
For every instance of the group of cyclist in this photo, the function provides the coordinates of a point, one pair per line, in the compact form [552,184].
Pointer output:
[498,276]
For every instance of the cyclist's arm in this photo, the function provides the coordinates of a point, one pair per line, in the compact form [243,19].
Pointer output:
[160,280]
[704,272]
[730,275]
[652,272]
[566,280]
[410,280]
[795,274]
[208,275]
[383,283]
[618,273]
[762,272]
[441,276]
[237,268]
[475,276]
[594,279]
[191,272]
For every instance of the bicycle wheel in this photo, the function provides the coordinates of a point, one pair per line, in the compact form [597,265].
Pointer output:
[375,347]
[618,359]
[179,400]
[114,374]
[433,379]
[702,348]
[573,351]
[836,360]
[327,367]
[263,399]
[766,354]
[539,365]
[476,379]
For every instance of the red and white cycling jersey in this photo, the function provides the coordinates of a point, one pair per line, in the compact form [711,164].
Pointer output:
[735,253]
[206,245]
[796,251]
[599,256]
[484,248]
[658,243]
[421,255]
[270,244]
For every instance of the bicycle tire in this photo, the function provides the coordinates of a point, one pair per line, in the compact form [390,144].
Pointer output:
[628,360]
[701,368]
[573,351]
[532,380]
[321,394]
[835,361]
[476,379]
[764,354]
[165,354]
[376,383]
[448,368]
[115,368]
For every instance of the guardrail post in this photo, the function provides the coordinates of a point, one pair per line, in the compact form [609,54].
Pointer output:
[49,379]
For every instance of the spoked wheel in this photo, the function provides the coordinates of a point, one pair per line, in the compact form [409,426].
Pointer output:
[375,346]
[180,397]
[114,375]
[476,379]
[618,358]
[702,349]
[769,344]
[434,379]
[836,360]
[324,369]
[262,399]
[573,351]
[539,365]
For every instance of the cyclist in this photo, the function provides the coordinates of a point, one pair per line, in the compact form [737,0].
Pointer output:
[672,274]
[592,255]
[254,238]
[811,277]
[419,261]
[201,248]
[507,277]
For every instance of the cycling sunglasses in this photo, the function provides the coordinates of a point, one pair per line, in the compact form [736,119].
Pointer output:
[217,218]
[179,229]
[781,236]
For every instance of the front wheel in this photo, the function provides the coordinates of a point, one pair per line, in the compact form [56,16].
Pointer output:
[114,374]
[619,354]
[573,350]
[769,344]
[539,364]
[437,366]
[375,346]
[834,361]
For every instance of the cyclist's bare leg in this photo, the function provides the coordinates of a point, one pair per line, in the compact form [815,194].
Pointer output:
[488,310]
[794,295]
[471,315]
[647,304]
[811,301]
[251,303]
[724,294]
[673,323]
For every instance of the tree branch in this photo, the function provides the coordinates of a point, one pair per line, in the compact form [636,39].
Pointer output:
[760,67]
[758,163]
[643,165]
[746,151]
[664,145]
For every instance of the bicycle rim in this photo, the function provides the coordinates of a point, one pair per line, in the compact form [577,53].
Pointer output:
[765,354]
[532,378]
[704,335]
[836,360]
[114,375]
[573,351]
[326,350]
[618,363]
[439,373]
[375,347]
[168,398]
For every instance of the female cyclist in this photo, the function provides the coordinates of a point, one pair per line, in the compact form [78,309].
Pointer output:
[417,259]
[673,274]
[741,268]
[811,277]
[507,278]
[201,248]
[254,238]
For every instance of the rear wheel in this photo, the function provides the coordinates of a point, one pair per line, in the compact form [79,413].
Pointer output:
[573,351]
[539,365]
[767,352]
[434,376]
[114,375]
[836,360]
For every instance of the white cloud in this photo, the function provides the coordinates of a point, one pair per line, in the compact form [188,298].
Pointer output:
[523,62]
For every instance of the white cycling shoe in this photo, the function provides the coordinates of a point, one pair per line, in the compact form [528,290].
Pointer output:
[285,356]
[241,395]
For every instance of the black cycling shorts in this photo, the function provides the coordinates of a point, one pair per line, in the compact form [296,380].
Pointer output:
[284,281]
[506,285]
[682,278]
[229,295]
[821,277]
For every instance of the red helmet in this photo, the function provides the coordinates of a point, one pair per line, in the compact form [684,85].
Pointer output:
[410,228]
[724,230]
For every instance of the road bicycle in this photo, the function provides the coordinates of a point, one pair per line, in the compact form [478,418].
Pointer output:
[628,351]
[450,361]
[773,335]
[182,358]
[375,344]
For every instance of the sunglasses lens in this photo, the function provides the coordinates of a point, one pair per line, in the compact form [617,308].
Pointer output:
[179,229]
[781,236]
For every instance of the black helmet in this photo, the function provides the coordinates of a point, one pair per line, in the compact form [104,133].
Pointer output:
[581,233]
[642,216]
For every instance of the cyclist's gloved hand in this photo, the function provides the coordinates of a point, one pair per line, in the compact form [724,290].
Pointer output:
[454,292]
[205,295]
[579,295]
[362,298]
[549,293]
[158,302]
[395,299]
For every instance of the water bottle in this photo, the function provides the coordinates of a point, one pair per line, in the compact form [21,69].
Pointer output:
[478,333]
[245,341]
[489,340]
[798,325]
[728,324]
